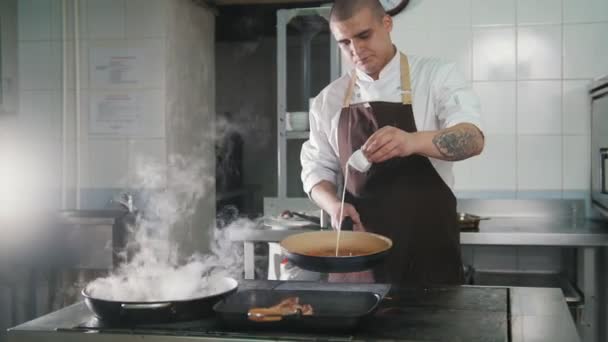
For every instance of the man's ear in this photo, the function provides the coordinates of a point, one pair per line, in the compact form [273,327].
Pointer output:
[387,22]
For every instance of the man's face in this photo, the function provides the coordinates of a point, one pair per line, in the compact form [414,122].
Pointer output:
[365,40]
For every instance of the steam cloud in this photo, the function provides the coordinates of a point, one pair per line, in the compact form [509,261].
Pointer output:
[155,271]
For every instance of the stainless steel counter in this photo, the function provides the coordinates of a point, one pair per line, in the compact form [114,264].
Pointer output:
[588,236]
[534,314]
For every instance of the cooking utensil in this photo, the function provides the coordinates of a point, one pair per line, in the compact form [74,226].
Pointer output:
[292,220]
[331,310]
[315,251]
[289,214]
[469,221]
[131,312]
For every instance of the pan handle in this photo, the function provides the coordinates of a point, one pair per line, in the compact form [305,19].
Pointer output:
[347,223]
[145,306]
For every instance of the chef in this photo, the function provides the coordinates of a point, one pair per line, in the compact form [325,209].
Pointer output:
[412,117]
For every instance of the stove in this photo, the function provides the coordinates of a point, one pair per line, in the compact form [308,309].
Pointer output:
[436,314]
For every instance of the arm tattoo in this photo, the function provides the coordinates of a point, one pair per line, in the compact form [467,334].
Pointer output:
[458,143]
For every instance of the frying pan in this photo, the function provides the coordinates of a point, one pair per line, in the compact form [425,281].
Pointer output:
[137,312]
[469,221]
[315,251]
[333,311]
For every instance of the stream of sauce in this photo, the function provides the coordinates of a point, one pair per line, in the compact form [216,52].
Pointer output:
[342,208]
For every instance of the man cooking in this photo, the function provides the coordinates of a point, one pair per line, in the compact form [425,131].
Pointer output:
[412,117]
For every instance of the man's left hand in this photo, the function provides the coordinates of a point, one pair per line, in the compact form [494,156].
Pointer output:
[389,142]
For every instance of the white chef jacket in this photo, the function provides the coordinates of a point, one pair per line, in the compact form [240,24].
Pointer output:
[441,98]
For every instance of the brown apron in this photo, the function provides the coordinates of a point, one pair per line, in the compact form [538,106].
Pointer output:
[404,199]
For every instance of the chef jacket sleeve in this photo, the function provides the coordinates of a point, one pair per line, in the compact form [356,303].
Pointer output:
[454,98]
[319,161]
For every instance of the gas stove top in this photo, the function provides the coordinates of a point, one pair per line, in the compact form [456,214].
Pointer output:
[208,328]
[438,314]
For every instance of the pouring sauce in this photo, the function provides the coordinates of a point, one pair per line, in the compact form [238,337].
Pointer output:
[341,211]
[345,252]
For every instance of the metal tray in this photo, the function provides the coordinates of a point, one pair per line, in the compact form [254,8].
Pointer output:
[334,311]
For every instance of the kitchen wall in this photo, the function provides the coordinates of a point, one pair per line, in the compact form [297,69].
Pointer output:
[530,63]
[125,51]
[144,91]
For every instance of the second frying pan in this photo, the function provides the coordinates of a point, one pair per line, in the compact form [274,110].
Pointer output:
[315,251]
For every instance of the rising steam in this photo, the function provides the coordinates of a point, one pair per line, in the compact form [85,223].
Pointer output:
[154,271]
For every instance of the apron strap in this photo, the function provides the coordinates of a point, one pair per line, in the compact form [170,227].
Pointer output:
[406,87]
[349,91]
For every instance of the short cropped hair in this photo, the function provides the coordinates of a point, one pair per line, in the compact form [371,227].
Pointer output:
[346,9]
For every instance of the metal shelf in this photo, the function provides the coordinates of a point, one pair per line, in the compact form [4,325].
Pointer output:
[297,135]
[284,17]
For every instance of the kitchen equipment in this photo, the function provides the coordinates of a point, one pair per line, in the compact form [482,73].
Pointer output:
[287,214]
[332,311]
[313,251]
[292,220]
[297,121]
[457,313]
[132,312]
[469,221]
[599,144]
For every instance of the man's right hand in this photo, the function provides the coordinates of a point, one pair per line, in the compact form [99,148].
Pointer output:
[349,211]
[324,195]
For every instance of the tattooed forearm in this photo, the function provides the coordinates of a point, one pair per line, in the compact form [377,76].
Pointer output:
[459,142]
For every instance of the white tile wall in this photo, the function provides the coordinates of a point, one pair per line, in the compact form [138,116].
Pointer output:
[451,13]
[539,107]
[581,11]
[34,19]
[496,168]
[39,113]
[539,11]
[494,54]
[585,50]
[412,40]
[539,162]
[145,19]
[105,163]
[463,174]
[39,65]
[493,12]
[498,105]
[105,19]
[539,52]
[530,63]
[453,45]
[576,108]
[577,170]
[124,25]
